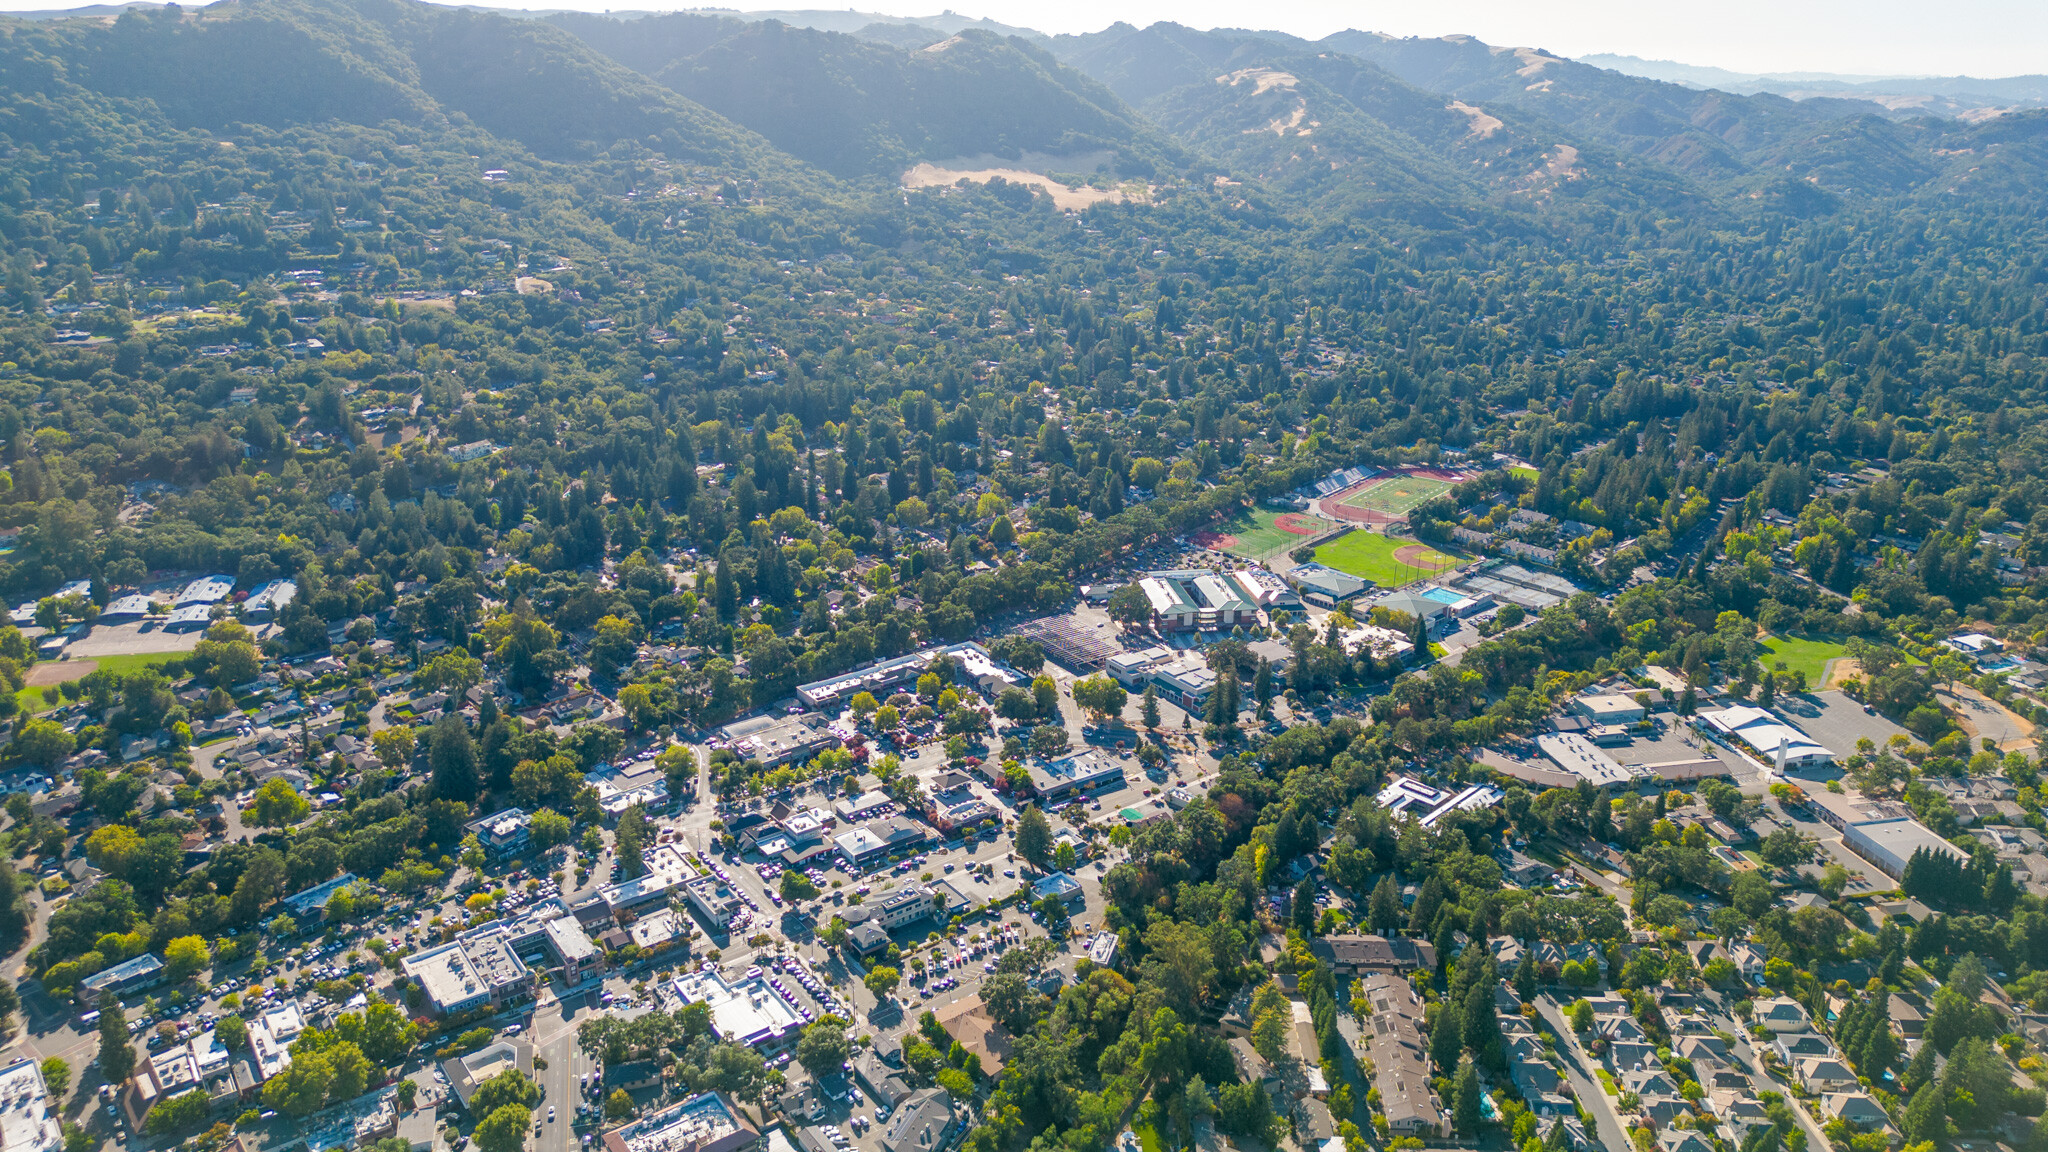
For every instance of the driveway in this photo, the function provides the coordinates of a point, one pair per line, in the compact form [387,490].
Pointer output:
[1579,1068]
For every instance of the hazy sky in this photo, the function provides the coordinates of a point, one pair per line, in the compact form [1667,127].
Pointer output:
[1949,37]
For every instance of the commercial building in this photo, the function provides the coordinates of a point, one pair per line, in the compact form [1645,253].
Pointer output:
[1884,833]
[1407,796]
[271,1035]
[123,979]
[1433,613]
[775,740]
[866,846]
[923,1122]
[704,1123]
[1102,948]
[1609,708]
[667,870]
[476,968]
[1324,586]
[1186,680]
[468,1073]
[205,590]
[189,618]
[1190,600]
[1061,886]
[125,608]
[714,899]
[549,935]
[977,667]
[861,807]
[1771,739]
[620,786]
[270,599]
[1352,955]
[1133,670]
[1584,759]
[901,906]
[29,1122]
[750,1012]
[503,833]
[315,899]
[1071,777]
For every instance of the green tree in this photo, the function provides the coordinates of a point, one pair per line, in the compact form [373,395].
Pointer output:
[823,1046]
[278,804]
[1269,1032]
[508,1087]
[1465,1111]
[618,1105]
[505,1129]
[453,671]
[394,746]
[1034,837]
[1100,696]
[184,957]
[117,1054]
[549,829]
[57,1077]
[796,886]
[232,1033]
[301,1088]
[882,980]
[956,1083]
[1129,606]
[44,743]
[1148,707]
[1785,848]
[180,1113]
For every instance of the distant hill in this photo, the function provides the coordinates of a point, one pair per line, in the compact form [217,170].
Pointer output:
[856,107]
[282,62]
[1948,96]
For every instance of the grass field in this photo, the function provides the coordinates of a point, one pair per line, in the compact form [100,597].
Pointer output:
[1371,555]
[1254,534]
[1808,656]
[1399,496]
[1529,474]
[31,698]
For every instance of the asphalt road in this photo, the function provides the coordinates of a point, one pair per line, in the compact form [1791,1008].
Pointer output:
[1579,1068]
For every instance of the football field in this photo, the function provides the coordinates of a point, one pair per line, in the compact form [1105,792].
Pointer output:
[1397,495]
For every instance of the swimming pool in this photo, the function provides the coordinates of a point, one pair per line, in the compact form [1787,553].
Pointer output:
[1441,595]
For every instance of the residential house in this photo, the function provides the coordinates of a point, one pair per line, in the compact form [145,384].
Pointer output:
[1855,1108]
[1795,1046]
[1400,1056]
[1824,1074]
[1782,1014]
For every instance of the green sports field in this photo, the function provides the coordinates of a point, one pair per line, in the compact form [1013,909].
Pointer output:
[31,698]
[1398,496]
[1800,655]
[1257,533]
[1387,561]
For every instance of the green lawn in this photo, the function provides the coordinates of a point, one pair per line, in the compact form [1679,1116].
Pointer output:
[1257,536]
[31,699]
[1371,555]
[1799,655]
[1529,474]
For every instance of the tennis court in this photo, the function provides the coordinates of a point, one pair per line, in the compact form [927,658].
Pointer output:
[1397,495]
